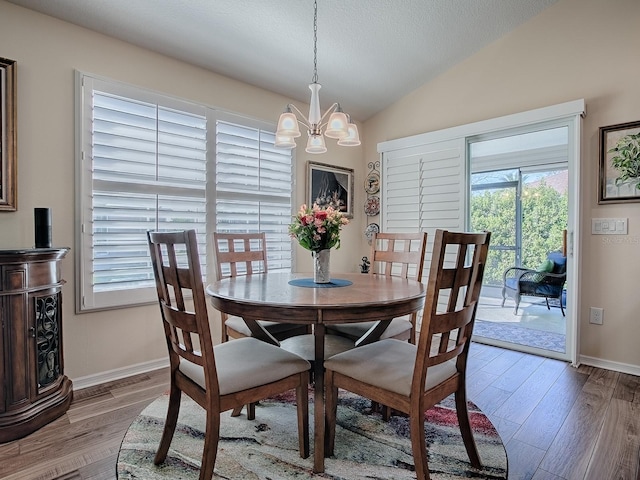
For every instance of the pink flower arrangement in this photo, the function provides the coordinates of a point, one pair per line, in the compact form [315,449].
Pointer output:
[318,228]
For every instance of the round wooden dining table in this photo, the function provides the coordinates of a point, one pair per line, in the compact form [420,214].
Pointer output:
[295,298]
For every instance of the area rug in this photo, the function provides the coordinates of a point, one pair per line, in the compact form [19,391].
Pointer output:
[517,334]
[267,448]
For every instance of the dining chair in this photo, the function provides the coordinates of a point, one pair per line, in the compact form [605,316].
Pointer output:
[397,254]
[220,377]
[246,254]
[413,378]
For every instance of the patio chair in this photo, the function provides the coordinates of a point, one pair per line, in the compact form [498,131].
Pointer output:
[546,282]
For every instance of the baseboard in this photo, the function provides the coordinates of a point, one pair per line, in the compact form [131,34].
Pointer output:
[119,373]
[609,365]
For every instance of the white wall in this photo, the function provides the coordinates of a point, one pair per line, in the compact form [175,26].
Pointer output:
[47,52]
[574,49]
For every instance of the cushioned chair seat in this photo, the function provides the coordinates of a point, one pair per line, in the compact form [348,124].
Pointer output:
[238,370]
[389,365]
[274,328]
[354,331]
[534,288]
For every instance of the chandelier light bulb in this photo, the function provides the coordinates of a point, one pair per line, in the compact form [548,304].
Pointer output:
[337,127]
[315,144]
[352,139]
[283,141]
[288,125]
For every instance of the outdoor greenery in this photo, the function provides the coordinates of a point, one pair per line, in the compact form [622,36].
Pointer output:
[544,217]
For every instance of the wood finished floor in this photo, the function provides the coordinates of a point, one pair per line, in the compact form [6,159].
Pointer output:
[557,422]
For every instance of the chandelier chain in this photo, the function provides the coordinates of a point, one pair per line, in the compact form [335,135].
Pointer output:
[315,42]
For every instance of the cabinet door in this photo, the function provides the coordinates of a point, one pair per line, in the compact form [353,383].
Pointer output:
[47,339]
[3,357]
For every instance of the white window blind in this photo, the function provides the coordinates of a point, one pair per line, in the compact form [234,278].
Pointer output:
[423,189]
[147,163]
[253,188]
[144,161]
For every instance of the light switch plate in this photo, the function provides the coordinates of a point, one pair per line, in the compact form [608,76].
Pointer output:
[609,226]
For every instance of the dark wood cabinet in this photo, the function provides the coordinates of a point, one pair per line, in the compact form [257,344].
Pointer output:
[33,387]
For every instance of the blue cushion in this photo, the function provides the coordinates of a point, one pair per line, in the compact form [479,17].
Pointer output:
[559,261]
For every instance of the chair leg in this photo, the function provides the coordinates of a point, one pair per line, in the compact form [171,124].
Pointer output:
[517,299]
[504,296]
[465,428]
[561,306]
[547,299]
[302,399]
[386,413]
[419,444]
[251,411]
[211,438]
[169,424]
[331,409]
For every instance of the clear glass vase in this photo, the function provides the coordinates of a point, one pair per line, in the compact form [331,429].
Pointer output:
[321,272]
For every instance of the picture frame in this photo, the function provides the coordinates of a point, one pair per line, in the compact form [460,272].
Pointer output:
[613,186]
[8,136]
[330,185]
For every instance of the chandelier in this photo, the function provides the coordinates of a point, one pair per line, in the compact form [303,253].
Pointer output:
[339,125]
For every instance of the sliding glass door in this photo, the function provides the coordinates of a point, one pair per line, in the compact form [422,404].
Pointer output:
[519,192]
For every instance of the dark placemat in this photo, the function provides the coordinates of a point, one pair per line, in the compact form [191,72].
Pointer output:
[309,283]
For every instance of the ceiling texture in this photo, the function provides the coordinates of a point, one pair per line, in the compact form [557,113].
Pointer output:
[370,52]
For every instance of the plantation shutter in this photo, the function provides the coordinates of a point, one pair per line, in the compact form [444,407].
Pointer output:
[147,172]
[253,188]
[424,188]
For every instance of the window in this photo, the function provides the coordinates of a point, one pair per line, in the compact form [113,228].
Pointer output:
[146,163]
[253,188]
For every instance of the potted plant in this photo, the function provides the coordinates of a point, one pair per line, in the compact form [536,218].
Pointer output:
[626,159]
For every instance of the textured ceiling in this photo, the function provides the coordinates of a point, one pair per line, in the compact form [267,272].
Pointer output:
[370,52]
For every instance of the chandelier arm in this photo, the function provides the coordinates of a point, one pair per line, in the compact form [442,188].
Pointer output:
[299,115]
[329,111]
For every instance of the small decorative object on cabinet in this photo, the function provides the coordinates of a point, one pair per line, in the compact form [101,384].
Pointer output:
[33,388]
[365,265]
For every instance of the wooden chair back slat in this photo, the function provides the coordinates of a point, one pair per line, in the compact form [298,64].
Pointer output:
[397,253]
[447,325]
[182,301]
[242,253]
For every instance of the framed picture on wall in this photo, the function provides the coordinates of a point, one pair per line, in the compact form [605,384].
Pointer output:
[8,136]
[328,185]
[619,163]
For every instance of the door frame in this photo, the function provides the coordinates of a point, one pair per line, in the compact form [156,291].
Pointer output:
[569,112]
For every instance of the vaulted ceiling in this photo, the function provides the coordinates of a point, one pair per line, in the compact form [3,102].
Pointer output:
[370,52]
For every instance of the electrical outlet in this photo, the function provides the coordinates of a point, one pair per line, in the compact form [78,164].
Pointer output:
[595,315]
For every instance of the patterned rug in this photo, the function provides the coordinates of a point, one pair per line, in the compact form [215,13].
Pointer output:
[520,335]
[267,448]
